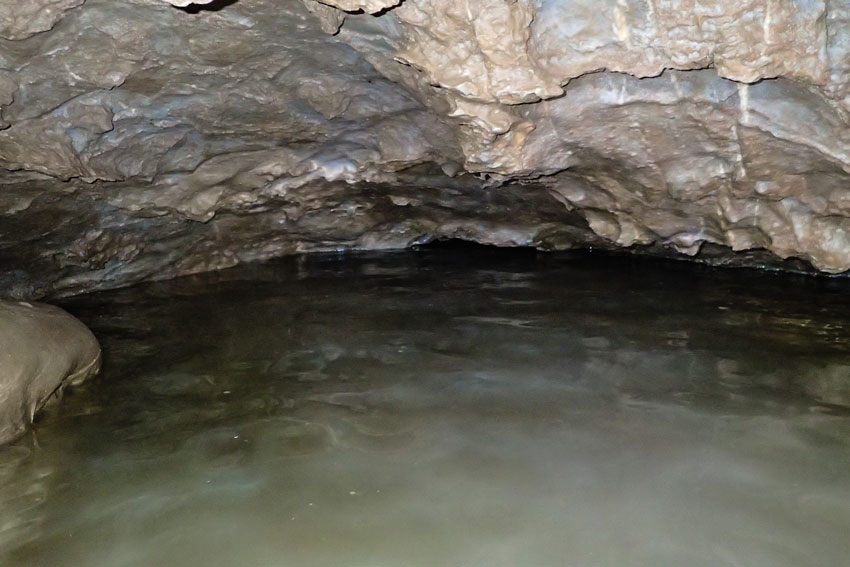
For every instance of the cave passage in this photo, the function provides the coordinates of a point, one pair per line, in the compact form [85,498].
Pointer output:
[391,283]
[447,407]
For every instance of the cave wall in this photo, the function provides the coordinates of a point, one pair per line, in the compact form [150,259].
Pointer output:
[142,140]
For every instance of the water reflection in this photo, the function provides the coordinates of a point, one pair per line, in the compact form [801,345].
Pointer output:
[423,410]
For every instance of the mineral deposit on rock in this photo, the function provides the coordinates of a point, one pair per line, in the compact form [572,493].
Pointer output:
[144,139]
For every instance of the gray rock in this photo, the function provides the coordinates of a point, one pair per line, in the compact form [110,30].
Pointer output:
[43,349]
[141,140]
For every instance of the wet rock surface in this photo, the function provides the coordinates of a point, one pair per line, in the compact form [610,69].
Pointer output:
[142,140]
[43,349]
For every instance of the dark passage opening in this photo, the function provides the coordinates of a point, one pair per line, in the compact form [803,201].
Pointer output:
[214,6]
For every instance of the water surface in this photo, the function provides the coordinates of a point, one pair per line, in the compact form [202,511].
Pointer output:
[448,408]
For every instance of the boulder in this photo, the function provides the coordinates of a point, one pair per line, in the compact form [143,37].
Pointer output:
[43,349]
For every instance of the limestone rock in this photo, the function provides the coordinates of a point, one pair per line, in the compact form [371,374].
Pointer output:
[19,20]
[140,141]
[43,349]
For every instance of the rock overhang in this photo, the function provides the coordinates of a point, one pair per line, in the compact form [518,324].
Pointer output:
[142,141]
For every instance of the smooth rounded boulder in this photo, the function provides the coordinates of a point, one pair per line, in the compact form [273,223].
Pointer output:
[43,349]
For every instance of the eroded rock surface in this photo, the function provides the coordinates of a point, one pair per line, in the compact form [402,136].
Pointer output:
[143,140]
[43,349]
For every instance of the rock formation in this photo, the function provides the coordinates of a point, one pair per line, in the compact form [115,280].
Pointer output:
[144,139]
[43,349]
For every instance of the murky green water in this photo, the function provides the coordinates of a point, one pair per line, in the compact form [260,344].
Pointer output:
[459,409]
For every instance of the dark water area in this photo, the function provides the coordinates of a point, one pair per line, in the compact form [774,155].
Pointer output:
[452,407]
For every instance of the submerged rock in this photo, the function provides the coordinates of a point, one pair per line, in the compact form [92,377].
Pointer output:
[43,349]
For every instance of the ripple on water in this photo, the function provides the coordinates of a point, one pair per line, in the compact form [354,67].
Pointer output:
[418,411]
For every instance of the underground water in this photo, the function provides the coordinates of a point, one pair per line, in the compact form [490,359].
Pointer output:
[447,407]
